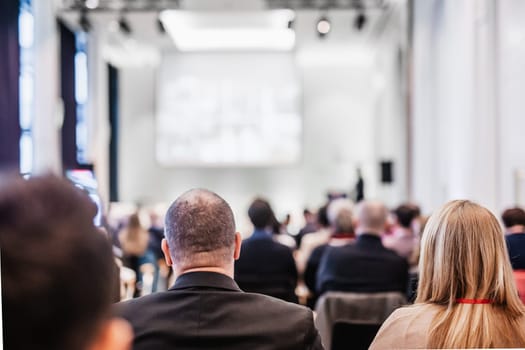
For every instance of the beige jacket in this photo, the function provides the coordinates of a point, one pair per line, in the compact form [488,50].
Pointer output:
[407,328]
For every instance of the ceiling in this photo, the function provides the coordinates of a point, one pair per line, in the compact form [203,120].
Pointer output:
[215,5]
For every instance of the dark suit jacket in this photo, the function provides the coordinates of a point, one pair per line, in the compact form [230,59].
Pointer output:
[266,267]
[207,310]
[516,248]
[364,266]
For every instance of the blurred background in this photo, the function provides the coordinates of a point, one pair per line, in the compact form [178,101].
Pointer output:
[139,100]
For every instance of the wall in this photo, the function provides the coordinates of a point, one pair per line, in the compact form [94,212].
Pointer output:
[467,84]
[511,58]
[352,116]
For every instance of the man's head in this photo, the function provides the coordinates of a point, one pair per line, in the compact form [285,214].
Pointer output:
[261,214]
[336,206]
[371,217]
[200,233]
[344,222]
[405,214]
[57,269]
[514,219]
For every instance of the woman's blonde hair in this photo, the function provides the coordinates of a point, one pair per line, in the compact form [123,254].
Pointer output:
[463,255]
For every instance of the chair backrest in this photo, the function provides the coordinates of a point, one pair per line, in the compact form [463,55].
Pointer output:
[355,336]
[519,277]
[355,308]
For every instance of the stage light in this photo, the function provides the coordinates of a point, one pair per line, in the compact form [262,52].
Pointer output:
[360,20]
[160,25]
[124,25]
[91,4]
[84,22]
[323,26]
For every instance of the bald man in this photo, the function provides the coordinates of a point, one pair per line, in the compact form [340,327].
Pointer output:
[366,265]
[205,309]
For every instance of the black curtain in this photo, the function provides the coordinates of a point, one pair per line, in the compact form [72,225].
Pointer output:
[67,83]
[114,125]
[9,85]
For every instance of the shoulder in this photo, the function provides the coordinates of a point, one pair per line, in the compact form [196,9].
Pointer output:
[129,309]
[406,327]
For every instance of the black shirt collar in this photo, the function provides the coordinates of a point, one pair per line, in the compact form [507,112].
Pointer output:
[205,279]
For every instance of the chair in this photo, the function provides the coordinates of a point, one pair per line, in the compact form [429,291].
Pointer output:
[364,309]
[355,336]
[519,277]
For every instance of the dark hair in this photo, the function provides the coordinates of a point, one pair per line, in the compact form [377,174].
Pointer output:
[261,214]
[513,216]
[405,213]
[200,221]
[322,216]
[57,268]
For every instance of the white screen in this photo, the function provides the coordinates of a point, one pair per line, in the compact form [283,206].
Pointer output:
[228,109]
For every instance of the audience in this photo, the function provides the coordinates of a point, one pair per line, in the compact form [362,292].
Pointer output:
[366,265]
[280,232]
[57,270]
[312,240]
[466,295]
[265,266]
[403,240]
[310,226]
[343,234]
[205,309]
[514,221]
[134,240]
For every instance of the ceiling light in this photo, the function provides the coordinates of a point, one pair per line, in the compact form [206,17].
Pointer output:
[160,25]
[91,4]
[124,25]
[323,26]
[360,20]
[223,31]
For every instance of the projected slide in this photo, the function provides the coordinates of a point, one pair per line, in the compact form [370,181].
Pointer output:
[228,109]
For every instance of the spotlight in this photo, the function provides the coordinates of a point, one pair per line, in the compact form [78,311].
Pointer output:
[124,26]
[323,26]
[84,22]
[160,26]
[360,21]
[91,4]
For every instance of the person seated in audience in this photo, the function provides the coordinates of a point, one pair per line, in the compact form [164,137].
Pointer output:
[265,266]
[403,239]
[514,221]
[466,296]
[366,265]
[310,226]
[280,232]
[314,239]
[134,240]
[343,234]
[205,308]
[56,270]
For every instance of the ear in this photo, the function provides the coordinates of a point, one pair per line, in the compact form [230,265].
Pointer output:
[166,250]
[238,243]
[115,334]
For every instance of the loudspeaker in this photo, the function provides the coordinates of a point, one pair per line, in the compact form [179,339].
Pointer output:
[387,172]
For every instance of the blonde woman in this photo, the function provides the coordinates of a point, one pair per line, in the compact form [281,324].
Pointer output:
[466,295]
